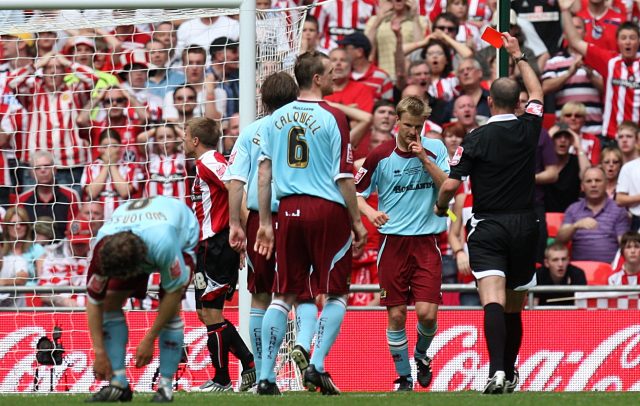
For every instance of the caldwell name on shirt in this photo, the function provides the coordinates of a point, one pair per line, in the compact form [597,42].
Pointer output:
[302,118]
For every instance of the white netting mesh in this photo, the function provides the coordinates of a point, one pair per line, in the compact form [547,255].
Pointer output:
[95,102]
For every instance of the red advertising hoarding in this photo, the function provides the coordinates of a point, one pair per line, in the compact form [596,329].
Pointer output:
[562,351]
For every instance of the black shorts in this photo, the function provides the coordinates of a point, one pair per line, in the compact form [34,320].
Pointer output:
[504,245]
[216,273]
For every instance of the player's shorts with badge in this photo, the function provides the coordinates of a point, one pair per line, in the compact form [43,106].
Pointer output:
[313,247]
[216,273]
[504,245]
[409,270]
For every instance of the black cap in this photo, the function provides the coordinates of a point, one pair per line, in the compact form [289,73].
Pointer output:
[563,129]
[358,40]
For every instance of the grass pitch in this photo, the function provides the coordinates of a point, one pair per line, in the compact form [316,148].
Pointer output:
[386,399]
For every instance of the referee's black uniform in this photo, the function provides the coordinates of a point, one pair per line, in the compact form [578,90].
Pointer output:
[500,159]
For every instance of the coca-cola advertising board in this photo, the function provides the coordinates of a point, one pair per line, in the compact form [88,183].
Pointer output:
[562,351]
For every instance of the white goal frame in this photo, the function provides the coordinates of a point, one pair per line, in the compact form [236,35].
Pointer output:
[247,73]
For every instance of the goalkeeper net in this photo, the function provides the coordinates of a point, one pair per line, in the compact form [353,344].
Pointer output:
[95,102]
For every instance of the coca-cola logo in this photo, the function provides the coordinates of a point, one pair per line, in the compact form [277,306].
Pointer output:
[566,353]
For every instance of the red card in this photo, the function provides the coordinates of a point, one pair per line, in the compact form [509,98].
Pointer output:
[493,37]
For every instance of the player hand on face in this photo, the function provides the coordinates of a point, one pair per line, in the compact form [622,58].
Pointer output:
[417,149]
[144,352]
[102,367]
[264,241]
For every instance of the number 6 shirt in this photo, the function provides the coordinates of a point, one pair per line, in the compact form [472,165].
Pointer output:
[308,145]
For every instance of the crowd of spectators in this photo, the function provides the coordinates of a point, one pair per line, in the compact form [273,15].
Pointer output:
[90,118]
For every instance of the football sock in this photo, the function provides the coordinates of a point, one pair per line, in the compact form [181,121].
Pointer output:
[495,335]
[327,330]
[116,334]
[255,331]
[171,340]
[513,323]
[399,348]
[274,327]
[425,337]
[306,319]
[236,346]
[219,352]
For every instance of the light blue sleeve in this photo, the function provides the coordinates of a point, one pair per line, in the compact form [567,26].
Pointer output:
[240,159]
[265,139]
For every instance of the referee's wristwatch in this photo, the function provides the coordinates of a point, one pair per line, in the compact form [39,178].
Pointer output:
[522,57]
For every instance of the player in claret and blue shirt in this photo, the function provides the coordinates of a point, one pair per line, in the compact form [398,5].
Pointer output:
[156,234]
[407,173]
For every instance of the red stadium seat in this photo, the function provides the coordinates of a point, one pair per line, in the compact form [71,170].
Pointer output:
[554,222]
[597,273]
[548,120]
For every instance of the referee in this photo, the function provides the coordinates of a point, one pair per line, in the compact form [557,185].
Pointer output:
[503,232]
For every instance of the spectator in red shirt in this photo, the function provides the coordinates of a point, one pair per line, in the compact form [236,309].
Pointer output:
[358,48]
[110,179]
[345,90]
[620,68]
[119,112]
[601,22]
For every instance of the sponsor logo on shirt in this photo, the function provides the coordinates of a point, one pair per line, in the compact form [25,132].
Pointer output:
[361,172]
[417,186]
[630,83]
[455,159]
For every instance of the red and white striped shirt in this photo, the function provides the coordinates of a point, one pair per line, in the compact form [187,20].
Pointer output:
[378,80]
[10,118]
[444,88]
[128,133]
[109,197]
[622,87]
[341,17]
[51,116]
[613,300]
[167,176]
[209,194]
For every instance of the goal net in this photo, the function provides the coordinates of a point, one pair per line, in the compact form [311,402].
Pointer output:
[93,105]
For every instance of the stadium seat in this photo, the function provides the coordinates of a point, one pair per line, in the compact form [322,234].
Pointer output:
[554,222]
[597,273]
[548,120]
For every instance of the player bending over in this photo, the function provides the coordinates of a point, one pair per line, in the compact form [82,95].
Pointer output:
[144,236]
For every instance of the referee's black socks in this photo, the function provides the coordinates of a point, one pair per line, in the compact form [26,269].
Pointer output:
[495,333]
[513,324]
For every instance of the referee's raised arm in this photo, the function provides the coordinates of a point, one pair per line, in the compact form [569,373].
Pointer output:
[529,77]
